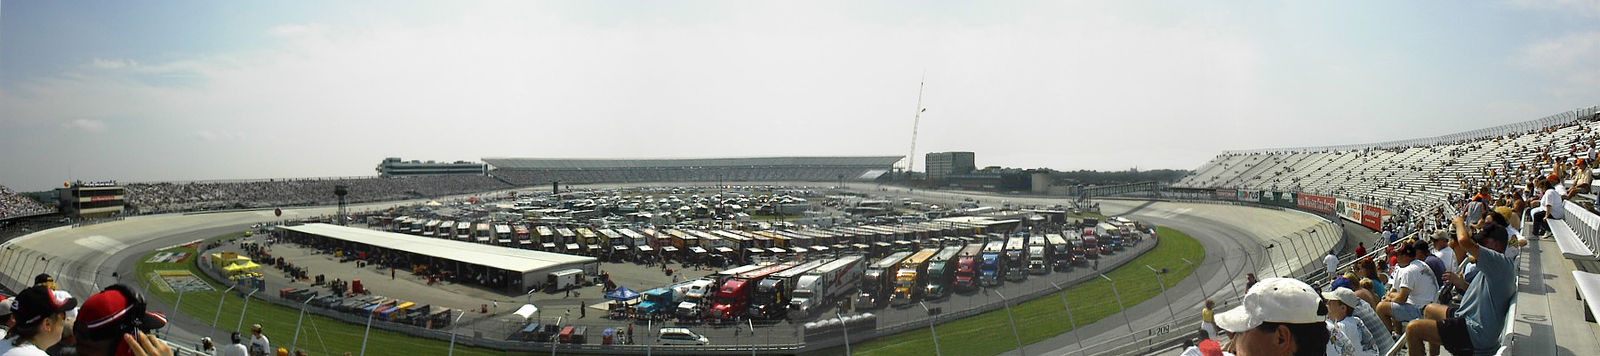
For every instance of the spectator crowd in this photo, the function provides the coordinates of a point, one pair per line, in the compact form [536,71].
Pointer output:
[147,198]
[1447,285]
[13,204]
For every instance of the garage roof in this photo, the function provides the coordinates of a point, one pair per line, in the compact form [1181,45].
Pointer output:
[511,259]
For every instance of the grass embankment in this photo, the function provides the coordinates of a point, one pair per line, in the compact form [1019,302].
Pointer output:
[1043,318]
[318,335]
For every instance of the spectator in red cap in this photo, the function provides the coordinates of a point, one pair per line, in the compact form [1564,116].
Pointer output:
[40,320]
[1581,180]
[114,322]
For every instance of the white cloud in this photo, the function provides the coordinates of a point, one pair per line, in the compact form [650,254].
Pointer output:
[1583,8]
[101,63]
[85,125]
[208,135]
[1571,57]
[297,30]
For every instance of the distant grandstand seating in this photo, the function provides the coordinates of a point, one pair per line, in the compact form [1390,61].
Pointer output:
[1409,174]
[13,205]
[171,197]
[535,171]
[1424,180]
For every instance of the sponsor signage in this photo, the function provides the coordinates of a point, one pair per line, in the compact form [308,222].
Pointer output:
[1227,194]
[100,184]
[1372,217]
[1350,210]
[1315,203]
[1283,199]
[1250,195]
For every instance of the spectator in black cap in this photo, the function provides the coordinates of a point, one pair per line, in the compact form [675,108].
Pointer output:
[40,320]
[45,279]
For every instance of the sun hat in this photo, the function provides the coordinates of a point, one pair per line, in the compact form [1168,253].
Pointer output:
[1278,300]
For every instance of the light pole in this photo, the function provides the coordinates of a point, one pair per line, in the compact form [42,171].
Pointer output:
[219,306]
[368,332]
[297,323]
[931,318]
[553,339]
[1070,319]
[1163,284]
[1302,243]
[246,308]
[175,306]
[1286,264]
[1201,281]
[752,325]
[844,327]
[1013,321]
[649,324]
[454,326]
[1124,310]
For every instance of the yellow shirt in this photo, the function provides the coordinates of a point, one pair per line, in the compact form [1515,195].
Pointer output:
[1205,315]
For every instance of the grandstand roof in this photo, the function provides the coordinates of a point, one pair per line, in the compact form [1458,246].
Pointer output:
[510,259]
[566,163]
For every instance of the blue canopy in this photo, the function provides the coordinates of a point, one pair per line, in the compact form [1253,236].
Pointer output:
[621,293]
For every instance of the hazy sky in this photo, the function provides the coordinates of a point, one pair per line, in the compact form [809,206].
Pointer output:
[186,90]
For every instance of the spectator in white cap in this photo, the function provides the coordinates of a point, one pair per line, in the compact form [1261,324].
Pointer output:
[5,322]
[1347,334]
[1279,317]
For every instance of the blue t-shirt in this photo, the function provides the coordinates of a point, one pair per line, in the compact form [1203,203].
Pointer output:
[1488,296]
[1437,266]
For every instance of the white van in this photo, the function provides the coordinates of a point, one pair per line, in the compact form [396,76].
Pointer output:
[681,336]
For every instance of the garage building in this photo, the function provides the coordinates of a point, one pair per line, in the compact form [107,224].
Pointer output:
[509,270]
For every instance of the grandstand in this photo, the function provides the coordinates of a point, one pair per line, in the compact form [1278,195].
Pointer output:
[1425,180]
[14,205]
[1403,174]
[148,198]
[532,171]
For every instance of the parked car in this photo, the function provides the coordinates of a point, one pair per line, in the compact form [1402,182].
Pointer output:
[681,336]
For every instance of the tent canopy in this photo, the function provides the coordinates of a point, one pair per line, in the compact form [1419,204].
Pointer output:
[526,311]
[621,293]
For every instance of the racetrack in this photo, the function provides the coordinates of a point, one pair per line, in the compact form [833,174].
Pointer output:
[84,258]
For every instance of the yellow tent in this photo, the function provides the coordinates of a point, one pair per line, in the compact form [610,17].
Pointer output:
[240,268]
[222,260]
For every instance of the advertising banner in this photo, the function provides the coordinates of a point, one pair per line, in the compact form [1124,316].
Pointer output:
[1250,195]
[1372,217]
[1350,210]
[1315,203]
[1227,194]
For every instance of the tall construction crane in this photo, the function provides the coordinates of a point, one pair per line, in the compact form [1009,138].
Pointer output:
[911,158]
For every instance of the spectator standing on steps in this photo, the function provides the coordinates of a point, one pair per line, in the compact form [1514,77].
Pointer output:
[1331,264]
[236,348]
[259,346]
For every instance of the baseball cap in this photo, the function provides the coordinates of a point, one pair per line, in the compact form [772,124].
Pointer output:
[1209,347]
[1343,295]
[1554,178]
[5,306]
[115,311]
[42,278]
[1278,300]
[1441,235]
[32,305]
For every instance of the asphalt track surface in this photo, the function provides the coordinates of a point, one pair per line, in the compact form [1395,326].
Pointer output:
[1233,237]
[84,258]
